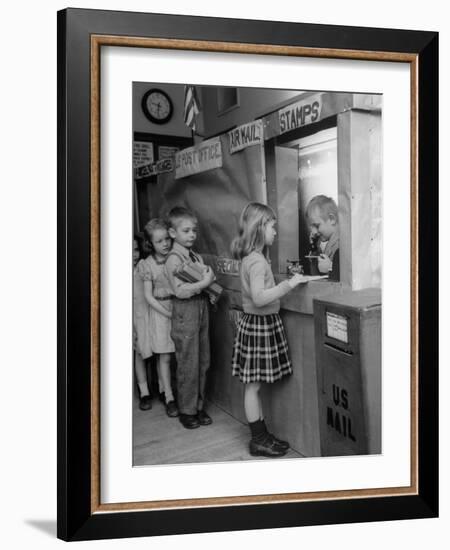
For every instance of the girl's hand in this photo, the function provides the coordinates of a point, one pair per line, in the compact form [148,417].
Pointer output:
[324,263]
[296,280]
[167,313]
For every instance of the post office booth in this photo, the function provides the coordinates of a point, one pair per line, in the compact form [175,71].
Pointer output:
[280,147]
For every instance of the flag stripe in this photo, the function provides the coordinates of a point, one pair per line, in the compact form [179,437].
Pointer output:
[191,107]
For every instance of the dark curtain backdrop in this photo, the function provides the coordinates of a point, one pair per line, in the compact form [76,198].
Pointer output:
[217,196]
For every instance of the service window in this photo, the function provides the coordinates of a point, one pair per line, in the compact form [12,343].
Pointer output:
[317,175]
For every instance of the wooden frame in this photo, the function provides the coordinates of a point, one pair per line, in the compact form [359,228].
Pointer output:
[81,34]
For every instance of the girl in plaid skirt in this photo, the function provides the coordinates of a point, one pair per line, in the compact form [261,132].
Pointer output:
[260,352]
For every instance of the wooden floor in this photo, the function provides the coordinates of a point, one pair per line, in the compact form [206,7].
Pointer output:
[159,439]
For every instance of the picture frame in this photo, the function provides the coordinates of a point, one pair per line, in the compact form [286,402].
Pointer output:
[81,35]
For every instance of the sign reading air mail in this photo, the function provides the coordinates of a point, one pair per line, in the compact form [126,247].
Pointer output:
[165,165]
[301,113]
[193,160]
[245,136]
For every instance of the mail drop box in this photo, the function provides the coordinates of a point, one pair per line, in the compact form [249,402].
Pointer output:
[348,361]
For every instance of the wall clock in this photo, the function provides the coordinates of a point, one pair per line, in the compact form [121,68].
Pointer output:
[157,106]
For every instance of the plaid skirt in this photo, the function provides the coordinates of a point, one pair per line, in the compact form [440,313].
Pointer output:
[260,352]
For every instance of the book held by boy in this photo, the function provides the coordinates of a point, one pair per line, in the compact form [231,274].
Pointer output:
[190,272]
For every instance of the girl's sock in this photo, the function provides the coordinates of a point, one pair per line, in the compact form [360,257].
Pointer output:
[258,430]
[264,424]
[168,394]
[143,389]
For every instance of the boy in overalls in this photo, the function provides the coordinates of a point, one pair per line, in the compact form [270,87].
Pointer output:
[190,320]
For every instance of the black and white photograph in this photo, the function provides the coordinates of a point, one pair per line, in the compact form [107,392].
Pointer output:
[257,273]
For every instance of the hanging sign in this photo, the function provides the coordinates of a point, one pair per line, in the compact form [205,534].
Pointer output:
[166,152]
[227,266]
[165,165]
[142,153]
[193,160]
[245,136]
[301,113]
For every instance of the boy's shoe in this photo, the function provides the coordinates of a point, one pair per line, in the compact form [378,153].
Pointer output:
[279,442]
[189,421]
[204,418]
[172,409]
[145,403]
[265,447]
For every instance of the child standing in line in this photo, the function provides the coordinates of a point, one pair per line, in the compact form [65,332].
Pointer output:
[260,352]
[190,320]
[141,332]
[159,298]
[322,214]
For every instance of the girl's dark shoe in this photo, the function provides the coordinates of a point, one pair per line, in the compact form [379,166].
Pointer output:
[204,418]
[265,447]
[279,442]
[145,403]
[172,409]
[283,444]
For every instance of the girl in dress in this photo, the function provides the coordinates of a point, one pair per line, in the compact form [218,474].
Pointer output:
[159,298]
[260,352]
[141,330]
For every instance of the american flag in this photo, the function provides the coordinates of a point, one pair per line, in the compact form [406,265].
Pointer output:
[191,106]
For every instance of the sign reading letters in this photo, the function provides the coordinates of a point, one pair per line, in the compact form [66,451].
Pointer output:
[227,266]
[165,165]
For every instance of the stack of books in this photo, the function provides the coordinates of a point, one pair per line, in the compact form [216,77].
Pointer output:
[192,272]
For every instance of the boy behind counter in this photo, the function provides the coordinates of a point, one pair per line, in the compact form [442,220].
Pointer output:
[190,320]
[322,215]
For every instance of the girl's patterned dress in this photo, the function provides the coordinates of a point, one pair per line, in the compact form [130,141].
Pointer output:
[141,314]
[160,325]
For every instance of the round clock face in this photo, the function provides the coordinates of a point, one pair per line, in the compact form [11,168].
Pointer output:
[157,106]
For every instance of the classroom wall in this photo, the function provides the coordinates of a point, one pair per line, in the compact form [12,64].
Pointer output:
[253,104]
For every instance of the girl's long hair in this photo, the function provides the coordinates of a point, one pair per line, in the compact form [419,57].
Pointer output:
[252,225]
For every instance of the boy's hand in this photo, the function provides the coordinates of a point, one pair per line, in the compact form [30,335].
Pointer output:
[324,263]
[296,280]
[208,276]
[208,268]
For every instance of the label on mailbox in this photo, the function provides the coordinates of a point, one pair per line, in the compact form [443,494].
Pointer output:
[337,327]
